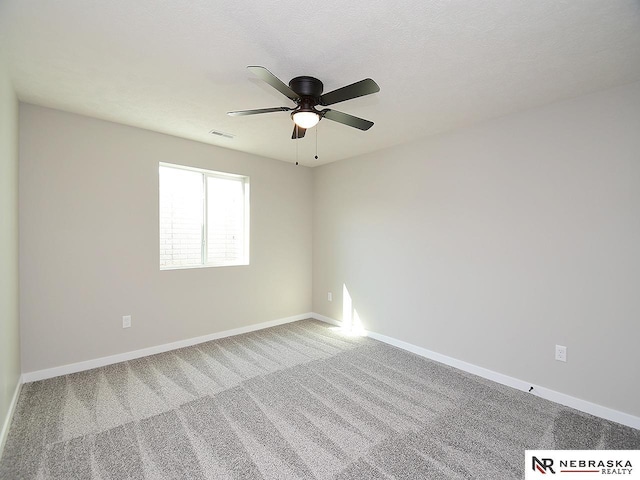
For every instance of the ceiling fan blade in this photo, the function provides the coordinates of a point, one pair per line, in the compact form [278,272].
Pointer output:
[274,81]
[355,90]
[259,110]
[347,119]
[298,132]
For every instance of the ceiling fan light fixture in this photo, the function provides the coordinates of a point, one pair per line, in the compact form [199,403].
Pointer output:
[306,119]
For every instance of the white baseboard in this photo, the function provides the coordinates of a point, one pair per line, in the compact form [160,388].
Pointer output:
[123,357]
[542,392]
[4,433]
[330,320]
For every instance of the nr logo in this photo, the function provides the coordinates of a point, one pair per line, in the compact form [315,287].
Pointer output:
[542,465]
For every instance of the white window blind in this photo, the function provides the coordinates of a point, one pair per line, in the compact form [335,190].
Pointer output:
[204,218]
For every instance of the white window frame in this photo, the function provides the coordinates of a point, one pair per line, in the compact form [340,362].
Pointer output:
[244,179]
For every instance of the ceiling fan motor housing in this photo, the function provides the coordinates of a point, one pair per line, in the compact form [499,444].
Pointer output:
[307,86]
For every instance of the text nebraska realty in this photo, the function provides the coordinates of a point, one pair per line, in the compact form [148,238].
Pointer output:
[606,467]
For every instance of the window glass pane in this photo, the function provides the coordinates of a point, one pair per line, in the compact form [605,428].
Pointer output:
[225,220]
[181,217]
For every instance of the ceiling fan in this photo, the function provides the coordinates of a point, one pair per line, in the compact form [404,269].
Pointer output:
[306,92]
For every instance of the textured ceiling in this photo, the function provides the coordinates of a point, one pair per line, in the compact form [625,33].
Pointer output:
[178,66]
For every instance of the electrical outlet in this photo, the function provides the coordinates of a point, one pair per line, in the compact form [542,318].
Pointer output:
[330,296]
[126,321]
[561,353]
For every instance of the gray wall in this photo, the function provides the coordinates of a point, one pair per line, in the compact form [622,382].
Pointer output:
[494,243]
[89,242]
[9,318]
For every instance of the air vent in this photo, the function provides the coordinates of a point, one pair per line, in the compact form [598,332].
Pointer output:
[221,134]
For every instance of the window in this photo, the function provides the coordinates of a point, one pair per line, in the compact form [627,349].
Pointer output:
[204,218]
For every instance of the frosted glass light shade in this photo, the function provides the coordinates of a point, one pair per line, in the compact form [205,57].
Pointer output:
[306,119]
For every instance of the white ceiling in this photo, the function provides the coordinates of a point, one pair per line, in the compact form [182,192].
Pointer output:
[177,67]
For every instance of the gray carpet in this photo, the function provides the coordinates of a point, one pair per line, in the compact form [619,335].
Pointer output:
[295,401]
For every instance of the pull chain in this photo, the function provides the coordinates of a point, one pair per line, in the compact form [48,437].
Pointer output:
[296,139]
[317,128]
